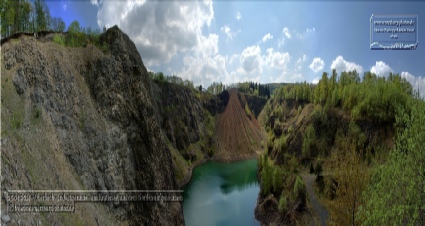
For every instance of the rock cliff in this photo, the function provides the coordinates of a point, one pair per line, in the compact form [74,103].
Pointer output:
[82,118]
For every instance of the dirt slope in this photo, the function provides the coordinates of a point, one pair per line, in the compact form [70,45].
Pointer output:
[239,133]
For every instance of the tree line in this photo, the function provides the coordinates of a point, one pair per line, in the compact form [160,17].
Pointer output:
[255,89]
[22,16]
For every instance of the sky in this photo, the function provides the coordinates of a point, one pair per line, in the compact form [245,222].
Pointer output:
[273,41]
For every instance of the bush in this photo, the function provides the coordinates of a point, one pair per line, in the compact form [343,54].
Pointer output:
[277,179]
[280,144]
[298,185]
[282,203]
[308,142]
[59,40]
[266,180]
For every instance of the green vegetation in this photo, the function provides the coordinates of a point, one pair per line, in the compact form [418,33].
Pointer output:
[216,88]
[396,194]
[16,121]
[255,89]
[159,77]
[309,140]
[59,40]
[22,16]
[247,110]
[343,130]
[282,204]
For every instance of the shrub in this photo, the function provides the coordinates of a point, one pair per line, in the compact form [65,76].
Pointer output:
[298,185]
[280,144]
[59,40]
[266,180]
[282,203]
[277,179]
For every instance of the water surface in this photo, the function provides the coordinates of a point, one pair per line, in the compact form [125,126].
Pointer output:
[222,194]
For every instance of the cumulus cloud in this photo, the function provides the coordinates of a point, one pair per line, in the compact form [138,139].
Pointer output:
[381,69]
[250,59]
[418,82]
[204,70]
[340,65]
[159,29]
[266,37]
[238,15]
[286,32]
[229,33]
[317,64]
[276,59]
[286,35]
[315,80]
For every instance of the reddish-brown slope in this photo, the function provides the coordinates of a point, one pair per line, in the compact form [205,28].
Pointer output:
[239,134]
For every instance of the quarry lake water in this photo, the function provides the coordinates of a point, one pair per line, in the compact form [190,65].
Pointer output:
[222,194]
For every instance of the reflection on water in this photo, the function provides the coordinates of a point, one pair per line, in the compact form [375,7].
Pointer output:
[222,194]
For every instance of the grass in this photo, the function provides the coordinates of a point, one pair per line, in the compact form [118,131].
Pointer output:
[16,121]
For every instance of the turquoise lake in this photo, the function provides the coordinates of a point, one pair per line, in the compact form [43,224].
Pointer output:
[222,194]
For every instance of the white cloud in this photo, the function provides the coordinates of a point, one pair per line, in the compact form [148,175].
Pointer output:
[340,65]
[381,69]
[64,6]
[238,15]
[308,32]
[316,80]
[317,64]
[277,60]
[298,64]
[229,33]
[204,70]
[160,30]
[286,32]
[95,2]
[286,35]
[266,37]
[418,82]
[250,59]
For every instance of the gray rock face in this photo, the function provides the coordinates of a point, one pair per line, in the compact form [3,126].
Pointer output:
[5,219]
[100,109]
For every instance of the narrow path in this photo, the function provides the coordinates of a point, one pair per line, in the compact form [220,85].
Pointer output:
[318,208]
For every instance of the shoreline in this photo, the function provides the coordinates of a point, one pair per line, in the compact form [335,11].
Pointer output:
[188,177]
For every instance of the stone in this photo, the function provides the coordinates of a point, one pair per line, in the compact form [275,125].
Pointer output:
[5,218]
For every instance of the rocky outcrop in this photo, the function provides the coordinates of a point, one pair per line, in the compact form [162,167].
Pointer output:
[80,118]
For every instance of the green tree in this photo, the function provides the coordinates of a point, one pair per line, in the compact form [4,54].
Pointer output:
[308,142]
[277,180]
[40,17]
[397,192]
[266,177]
[351,176]
[74,27]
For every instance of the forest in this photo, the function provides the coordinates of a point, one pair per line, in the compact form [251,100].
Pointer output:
[362,137]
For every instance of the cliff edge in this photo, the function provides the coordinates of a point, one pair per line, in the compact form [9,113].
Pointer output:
[84,119]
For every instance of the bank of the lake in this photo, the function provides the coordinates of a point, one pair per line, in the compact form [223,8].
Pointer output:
[222,193]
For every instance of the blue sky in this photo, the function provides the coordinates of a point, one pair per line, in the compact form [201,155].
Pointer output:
[233,41]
